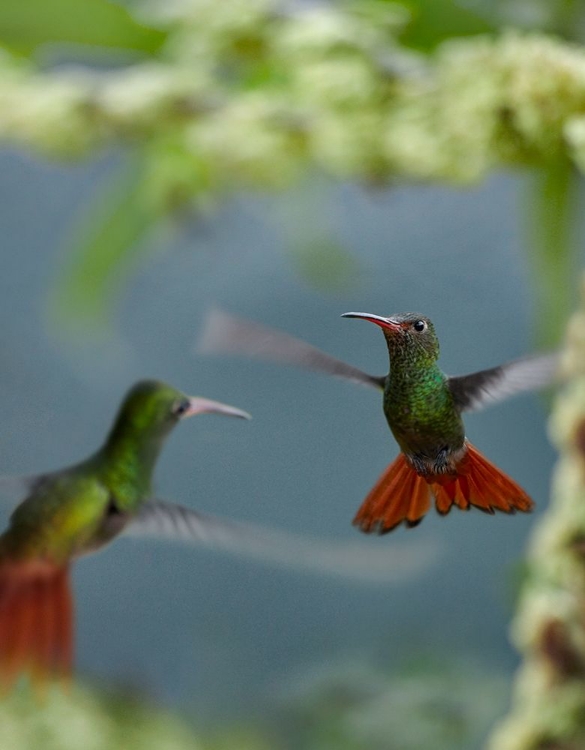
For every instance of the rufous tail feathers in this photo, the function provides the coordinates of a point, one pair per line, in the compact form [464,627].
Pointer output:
[36,622]
[402,496]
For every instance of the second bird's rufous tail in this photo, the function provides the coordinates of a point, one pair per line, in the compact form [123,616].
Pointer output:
[402,496]
[36,622]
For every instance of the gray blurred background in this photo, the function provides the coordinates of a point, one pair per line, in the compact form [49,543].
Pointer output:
[225,638]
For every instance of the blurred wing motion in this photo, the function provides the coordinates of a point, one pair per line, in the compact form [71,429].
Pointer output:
[225,334]
[480,389]
[350,560]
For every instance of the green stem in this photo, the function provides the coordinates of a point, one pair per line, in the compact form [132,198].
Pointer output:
[553,247]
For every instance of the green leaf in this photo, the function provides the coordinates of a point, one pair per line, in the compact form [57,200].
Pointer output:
[553,247]
[102,254]
[315,253]
[27,24]
[434,21]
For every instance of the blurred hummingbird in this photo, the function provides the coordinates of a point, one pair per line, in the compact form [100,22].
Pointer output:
[76,511]
[80,509]
[423,408]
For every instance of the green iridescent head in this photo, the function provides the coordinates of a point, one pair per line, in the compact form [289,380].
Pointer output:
[149,411]
[408,335]
[153,408]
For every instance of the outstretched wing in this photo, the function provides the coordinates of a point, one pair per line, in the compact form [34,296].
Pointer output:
[480,389]
[226,334]
[350,560]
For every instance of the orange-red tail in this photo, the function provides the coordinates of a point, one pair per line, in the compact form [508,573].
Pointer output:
[402,495]
[36,622]
[480,483]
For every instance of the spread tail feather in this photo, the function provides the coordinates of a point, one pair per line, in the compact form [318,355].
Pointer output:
[401,495]
[36,616]
[480,483]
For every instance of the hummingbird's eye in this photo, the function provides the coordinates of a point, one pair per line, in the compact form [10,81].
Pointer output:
[419,326]
[181,407]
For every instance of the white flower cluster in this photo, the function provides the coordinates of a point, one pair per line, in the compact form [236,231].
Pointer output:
[256,92]
[549,702]
[63,721]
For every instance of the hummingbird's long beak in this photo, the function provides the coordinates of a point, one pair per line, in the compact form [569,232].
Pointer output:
[388,323]
[199,405]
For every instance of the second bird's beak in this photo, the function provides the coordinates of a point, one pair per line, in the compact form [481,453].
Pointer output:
[387,323]
[199,405]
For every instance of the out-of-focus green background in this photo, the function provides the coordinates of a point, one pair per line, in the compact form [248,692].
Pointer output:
[159,159]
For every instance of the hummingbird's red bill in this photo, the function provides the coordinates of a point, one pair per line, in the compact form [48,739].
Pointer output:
[388,323]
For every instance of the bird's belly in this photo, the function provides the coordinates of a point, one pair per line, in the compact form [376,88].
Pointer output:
[430,439]
[429,445]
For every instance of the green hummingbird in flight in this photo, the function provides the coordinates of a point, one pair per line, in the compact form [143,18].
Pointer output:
[423,408]
[75,511]
[80,509]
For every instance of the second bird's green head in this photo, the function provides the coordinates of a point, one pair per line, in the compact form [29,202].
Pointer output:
[153,408]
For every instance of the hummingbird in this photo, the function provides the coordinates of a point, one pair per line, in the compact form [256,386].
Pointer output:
[423,408]
[78,510]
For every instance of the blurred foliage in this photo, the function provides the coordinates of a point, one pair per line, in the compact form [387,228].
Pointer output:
[548,706]
[326,263]
[110,240]
[82,718]
[554,200]
[309,223]
[565,18]
[434,21]
[256,94]
[423,707]
[27,24]
[341,707]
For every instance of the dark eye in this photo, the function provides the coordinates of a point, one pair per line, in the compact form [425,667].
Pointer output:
[419,325]
[180,408]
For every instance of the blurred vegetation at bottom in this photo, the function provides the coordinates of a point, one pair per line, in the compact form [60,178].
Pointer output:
[342,707]
[83,718]
[423,707]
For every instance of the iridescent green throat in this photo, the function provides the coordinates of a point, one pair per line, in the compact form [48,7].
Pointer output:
[126,462]
[418,404]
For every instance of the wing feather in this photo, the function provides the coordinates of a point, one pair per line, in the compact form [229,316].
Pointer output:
[480,389]
[349,560]
[226,334]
